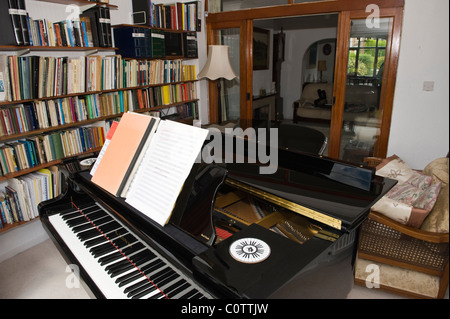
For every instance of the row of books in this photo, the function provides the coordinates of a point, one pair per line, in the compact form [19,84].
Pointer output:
[40,149]
[27,117]
[31,77]
[142,42]
[189,109]
[20,197]
[174,93]
[154,72]
[91,29]
[175,16]
[67,33]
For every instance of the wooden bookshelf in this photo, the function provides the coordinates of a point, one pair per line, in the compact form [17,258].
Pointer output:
[7,227]
[21,50]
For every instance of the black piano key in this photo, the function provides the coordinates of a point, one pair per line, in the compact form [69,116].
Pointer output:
[158,295]
[71,215]
[119,254]
[189,294]
[164,280]
[179,285]
[108,227]
[73,212]
[139,286]
[104,235]
[132,261]
[133,276]
[82,219]
[82,227]
[167,279]
[88,225]
[101,238]
[119,242]
[78,212]
[175,289]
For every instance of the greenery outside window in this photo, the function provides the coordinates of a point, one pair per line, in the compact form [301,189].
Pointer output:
[365,60]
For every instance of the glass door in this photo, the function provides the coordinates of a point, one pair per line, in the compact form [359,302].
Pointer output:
[228,100]
[364,85]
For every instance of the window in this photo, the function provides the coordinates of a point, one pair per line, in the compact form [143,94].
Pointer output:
[365,60]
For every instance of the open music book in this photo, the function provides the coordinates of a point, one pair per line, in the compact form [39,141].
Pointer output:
[152,176]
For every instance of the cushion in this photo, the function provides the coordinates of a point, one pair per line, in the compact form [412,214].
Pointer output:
[394,167]
[412,199]
[438,169]
[404,280]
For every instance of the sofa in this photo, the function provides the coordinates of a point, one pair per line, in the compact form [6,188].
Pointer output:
[360,101]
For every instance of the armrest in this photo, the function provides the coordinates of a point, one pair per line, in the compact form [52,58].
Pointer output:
[410,231]
[372,161]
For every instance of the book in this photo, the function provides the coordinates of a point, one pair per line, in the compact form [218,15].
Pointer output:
[147,162]
[4,79]
[100,24]
[142,12]
[10,23]
[123,150]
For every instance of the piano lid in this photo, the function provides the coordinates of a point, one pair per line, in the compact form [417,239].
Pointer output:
[321,188]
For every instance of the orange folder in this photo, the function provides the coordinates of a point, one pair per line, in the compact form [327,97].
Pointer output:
[123,151]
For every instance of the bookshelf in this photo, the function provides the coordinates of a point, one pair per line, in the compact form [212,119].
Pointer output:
[134,87]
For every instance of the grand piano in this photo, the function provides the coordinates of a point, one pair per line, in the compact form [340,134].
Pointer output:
[233,233]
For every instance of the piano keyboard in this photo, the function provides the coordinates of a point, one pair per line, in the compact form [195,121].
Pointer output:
[121,265]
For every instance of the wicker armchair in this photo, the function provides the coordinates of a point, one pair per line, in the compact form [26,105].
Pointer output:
[410,261]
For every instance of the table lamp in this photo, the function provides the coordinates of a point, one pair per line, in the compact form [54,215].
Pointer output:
[321,66]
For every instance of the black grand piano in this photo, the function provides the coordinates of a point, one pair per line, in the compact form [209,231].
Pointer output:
[233,233]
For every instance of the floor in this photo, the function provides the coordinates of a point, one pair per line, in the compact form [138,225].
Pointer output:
[41,272]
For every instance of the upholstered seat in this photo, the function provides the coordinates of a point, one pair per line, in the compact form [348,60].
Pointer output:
[408,259]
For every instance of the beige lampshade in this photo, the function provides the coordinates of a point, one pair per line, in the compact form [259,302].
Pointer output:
[322,65]
[218,64]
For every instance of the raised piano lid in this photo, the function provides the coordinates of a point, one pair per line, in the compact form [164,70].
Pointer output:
[333,192]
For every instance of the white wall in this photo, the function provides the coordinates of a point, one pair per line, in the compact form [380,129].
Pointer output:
[420,119]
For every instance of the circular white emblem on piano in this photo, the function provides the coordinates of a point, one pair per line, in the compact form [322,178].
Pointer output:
[249,250]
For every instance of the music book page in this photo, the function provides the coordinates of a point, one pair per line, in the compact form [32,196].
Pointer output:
[164,168]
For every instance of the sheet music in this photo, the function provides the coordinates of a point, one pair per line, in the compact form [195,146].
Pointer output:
[164,168]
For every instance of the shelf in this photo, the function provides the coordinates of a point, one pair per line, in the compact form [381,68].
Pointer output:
[80,2]
[52,48]
[11,226]
[44,165]
[149,27]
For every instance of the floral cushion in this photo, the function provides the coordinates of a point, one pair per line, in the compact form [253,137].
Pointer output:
[412,199]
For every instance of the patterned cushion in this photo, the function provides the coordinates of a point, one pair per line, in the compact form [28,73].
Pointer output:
[412,199]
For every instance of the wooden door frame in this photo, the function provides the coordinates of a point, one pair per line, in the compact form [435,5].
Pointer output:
[389,78]
[347,9]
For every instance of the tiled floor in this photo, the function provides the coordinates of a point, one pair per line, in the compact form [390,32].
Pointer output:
[40,272]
